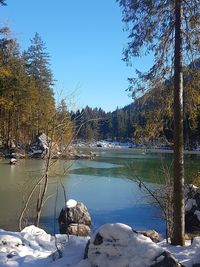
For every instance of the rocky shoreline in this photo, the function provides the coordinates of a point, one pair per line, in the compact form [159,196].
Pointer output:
[111,245]
[119,245]
[42,146]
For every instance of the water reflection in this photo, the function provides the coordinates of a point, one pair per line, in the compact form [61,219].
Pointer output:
[104,185]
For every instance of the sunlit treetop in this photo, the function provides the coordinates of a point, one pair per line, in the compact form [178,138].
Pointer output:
[150,26]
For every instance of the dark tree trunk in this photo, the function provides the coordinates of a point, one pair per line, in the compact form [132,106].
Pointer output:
[178,237]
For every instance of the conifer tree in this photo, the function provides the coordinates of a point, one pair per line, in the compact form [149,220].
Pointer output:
[38,68]
[9,52]
[168,30]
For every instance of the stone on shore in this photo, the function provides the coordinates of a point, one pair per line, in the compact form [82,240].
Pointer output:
[74,219]
[117,245]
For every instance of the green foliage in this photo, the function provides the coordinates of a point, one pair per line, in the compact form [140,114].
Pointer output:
[96,124]
[37,64]
[149,120]
[27,105]
[156,116]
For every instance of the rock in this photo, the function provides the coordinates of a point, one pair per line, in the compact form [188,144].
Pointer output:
[74,219]
[11,144]
[39,148]
[155,237]
[192,210]
[78,229]
[13,161]
[190,236]
[166,260]
[117,245]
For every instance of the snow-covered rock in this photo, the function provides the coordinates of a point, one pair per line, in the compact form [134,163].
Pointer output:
[152,234]
[117,245]
[39,148]
[33,247]
[13,161]
[74,219]
[192,209]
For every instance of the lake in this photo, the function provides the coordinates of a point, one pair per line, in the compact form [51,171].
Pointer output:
[105,185]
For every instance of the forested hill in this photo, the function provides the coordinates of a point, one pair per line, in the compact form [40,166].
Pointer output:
[28,106]
[148,119]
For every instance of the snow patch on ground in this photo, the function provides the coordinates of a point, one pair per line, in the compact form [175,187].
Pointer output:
[188,254]
[105,144]
[34,247]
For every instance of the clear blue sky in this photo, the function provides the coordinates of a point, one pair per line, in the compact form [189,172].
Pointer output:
[85,40]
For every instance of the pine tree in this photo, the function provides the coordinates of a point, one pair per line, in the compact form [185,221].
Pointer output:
[161,28]
[38,68]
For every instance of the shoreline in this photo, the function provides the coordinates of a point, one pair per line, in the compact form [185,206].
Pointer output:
[136,150]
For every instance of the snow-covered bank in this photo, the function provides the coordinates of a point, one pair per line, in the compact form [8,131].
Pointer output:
[138,148]
[34,247]
[105,144]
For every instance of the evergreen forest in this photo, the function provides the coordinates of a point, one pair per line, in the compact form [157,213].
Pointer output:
[27,103]
[28,106]
[149,119]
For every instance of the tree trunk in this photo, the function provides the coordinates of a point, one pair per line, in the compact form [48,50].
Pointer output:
[178,235]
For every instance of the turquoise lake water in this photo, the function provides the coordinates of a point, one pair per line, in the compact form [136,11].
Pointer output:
[105,185]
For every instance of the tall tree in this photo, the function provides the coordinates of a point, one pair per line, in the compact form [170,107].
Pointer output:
[9,52]
[178,237]
[38,68]
[16,90]
[157,27]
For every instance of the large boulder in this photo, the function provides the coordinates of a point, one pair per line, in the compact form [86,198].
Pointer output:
[74,219]
[192,210]
[39,148]
[117,245]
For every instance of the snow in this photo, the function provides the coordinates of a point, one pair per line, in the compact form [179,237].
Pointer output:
[122,247]
[13,160]
[34,247]
[190,203]
[106,144]
[187,255]
[71,203]
[44,141]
